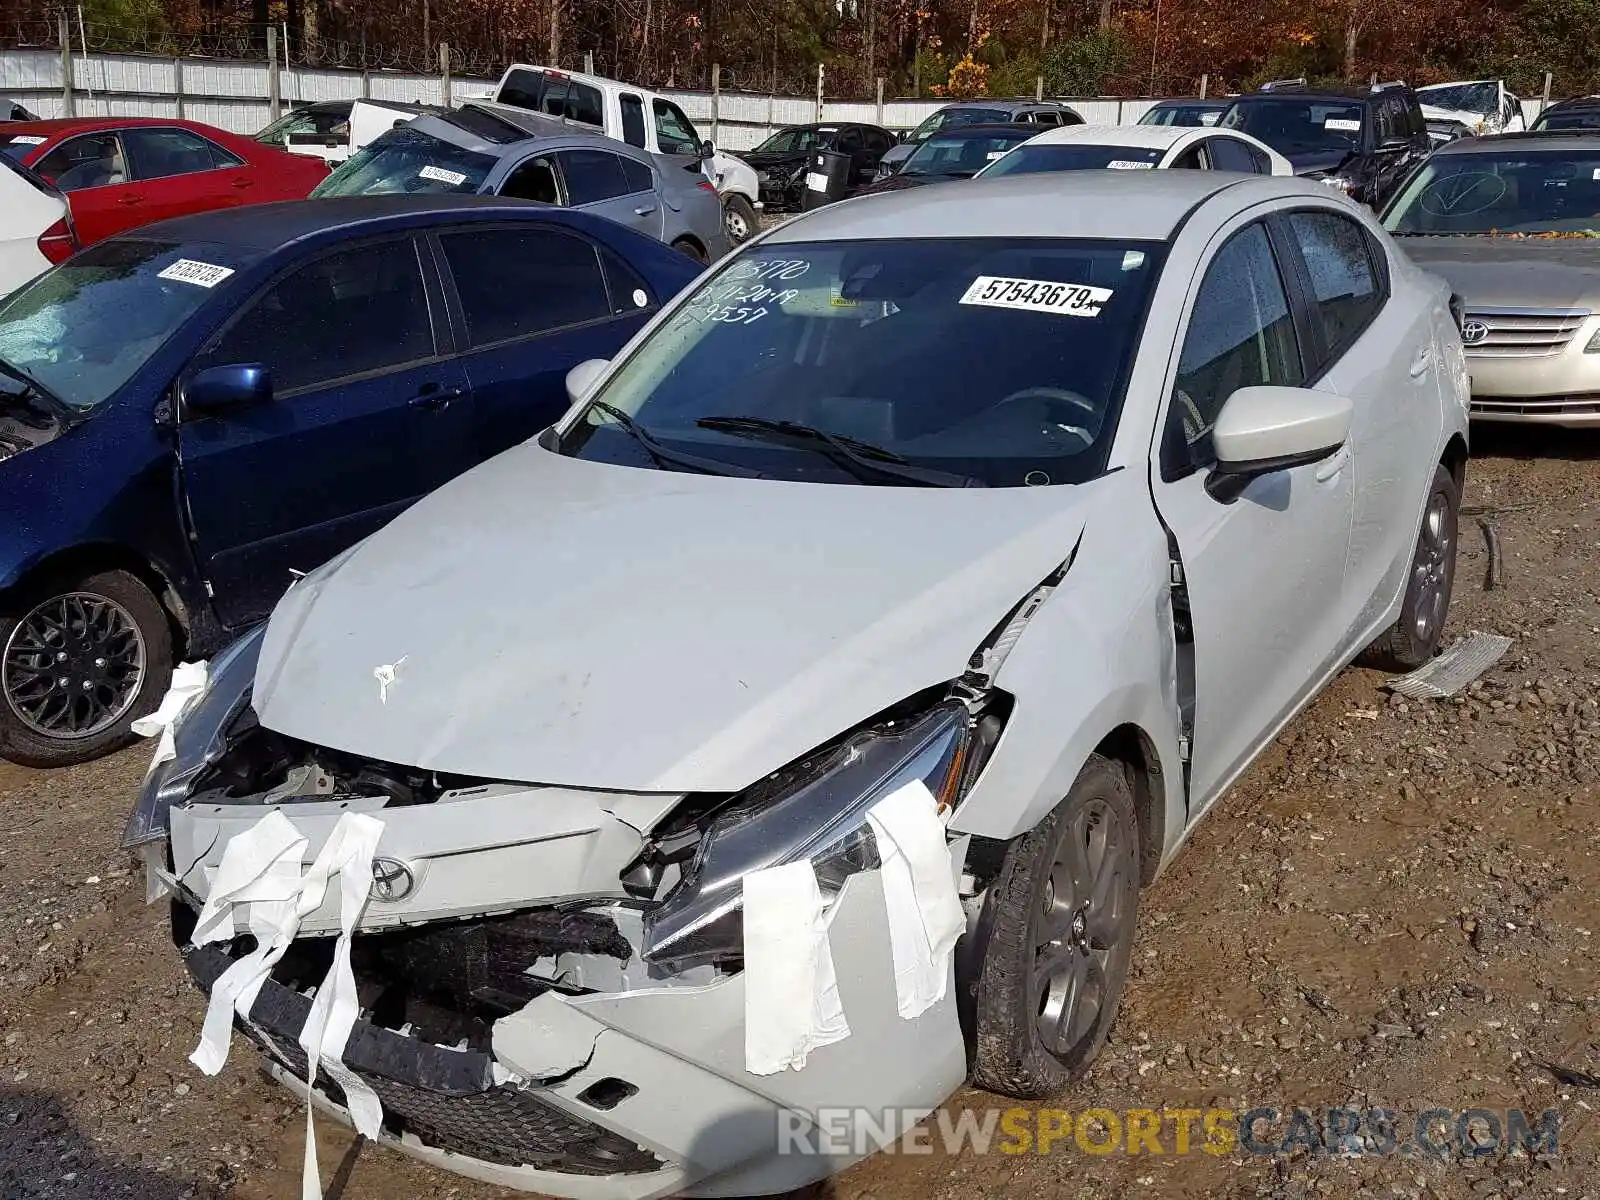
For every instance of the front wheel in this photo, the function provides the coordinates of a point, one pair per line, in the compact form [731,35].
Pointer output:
[691,248]
[1414,638]
[1064,905]
[739,219]
[79,661]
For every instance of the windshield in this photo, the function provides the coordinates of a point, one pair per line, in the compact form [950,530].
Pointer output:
[952,118]
[18,145]
[789,141]
[1182,114]
[1575,118]
[1292,126]
[1546,192]
[963,154]
[1463,97]
[1033,159]
[85,327]
[320,122]
[407,160]
[1002,360]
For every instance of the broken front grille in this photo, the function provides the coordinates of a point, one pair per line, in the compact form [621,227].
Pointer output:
[1520,332]
[1587,405]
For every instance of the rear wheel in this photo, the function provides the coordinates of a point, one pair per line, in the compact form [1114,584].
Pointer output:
[1414,638]
[739,219]
[691,248]
[1065,902]
[79,661]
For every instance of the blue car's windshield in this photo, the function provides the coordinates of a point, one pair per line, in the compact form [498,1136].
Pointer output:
[83,329]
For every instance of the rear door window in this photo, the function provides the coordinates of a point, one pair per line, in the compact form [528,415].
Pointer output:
[163,153]
[632,119]
[520,282]
[638,176]
[1344,283]
[354,312]
[88,161]
[592,176]
[1230,154]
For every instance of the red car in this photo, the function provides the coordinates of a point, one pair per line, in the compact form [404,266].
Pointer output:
[121,172]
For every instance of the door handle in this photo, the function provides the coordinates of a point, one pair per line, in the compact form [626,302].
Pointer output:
[1328,468]
[131,200]
[244,183]
[645,211]
[1420,364]
[433,398]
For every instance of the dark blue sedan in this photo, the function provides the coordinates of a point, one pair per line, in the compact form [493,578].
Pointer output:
[194,412]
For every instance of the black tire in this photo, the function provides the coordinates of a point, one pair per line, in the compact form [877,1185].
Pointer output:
[1414,638]
[690,247]
[739,219]
[106,618]
[1018,994]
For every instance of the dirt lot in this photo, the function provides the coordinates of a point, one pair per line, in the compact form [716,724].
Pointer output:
[1397,907]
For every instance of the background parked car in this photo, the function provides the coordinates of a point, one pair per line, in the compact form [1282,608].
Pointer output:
[977,112]
[522,155]
[782,160]
[643,119]
[34,227]
[1512,223]
[10,110]
[122,172]
[1482,105]
[333,130]
[1141,147]
[330,363]
[1580,112]
[958,152]
[1361,141]
[1189,112]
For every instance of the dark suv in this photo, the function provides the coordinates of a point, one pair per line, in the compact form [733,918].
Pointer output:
[1046,114]
[1361,141]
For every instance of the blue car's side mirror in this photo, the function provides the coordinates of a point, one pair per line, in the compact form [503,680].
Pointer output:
[219,389]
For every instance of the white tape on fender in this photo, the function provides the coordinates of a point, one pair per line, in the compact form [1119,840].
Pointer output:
[919,890]
[188,681]
[791,992]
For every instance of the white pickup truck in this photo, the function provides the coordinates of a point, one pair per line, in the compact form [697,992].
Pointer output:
[641,118]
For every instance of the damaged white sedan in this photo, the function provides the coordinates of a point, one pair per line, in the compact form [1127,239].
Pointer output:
[790,730]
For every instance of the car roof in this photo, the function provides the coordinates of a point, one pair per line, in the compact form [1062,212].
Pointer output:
[987,129]
[61,126]
[1125,205]
[1587,140]
[1012,104]
[1348,95]
[524,127]
[1574,102]
[1193,102]
[1143,137]
[269,227]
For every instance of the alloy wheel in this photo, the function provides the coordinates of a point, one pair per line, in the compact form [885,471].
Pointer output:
[73,666]
[1430,571]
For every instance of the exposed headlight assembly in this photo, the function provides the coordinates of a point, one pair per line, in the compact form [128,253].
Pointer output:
[198,737]
[816,810]
[1338,183]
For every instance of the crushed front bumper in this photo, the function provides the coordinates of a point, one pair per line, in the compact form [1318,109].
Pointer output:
[660,1102]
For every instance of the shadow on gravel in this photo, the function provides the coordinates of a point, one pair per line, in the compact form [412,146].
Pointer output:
[1500,440]
[44,1155]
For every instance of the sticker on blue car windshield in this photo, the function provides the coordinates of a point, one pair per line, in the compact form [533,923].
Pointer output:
[440,175]
[201,274]
[1037,295]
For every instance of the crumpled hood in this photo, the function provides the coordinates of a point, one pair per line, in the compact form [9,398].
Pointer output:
[544,619]
[1513,272]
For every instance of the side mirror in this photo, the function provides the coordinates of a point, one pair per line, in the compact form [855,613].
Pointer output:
[218,389]
[582,378]
[1262,430]
[707,150]
[1395,143]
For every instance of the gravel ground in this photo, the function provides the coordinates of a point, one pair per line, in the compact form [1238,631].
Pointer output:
[1393,908]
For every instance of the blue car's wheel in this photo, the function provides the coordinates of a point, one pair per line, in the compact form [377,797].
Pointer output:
[79,661]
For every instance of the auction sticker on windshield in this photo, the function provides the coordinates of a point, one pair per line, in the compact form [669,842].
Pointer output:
[1124,164]
[188,270]
[1037,295]
[440,175]
[28,139]
[1342,125]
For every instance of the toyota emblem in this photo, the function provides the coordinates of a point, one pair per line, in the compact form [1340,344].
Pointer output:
[391,880]
[1474,332]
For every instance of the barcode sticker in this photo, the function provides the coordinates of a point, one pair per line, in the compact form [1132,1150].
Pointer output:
[1342,125]
[27,139]
[1127,164]
[1037,295]
[201,274]
[440,175]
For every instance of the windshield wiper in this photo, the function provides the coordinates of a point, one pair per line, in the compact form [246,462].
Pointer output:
[52,403]
[868,463]
[662,455]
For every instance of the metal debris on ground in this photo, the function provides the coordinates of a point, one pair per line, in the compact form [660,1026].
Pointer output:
[1491,538]
[1453,669]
